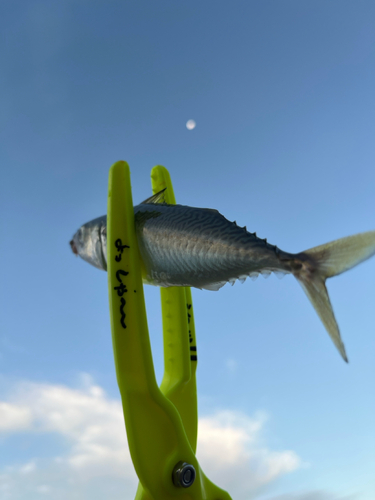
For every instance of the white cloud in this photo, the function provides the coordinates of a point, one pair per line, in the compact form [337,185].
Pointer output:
[92,423]
[14,417]
[313,495]
[43,488]
[28,467]
[230,452]
[97,464]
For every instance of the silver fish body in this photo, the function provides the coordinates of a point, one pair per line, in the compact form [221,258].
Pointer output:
[186,246]
[198,247]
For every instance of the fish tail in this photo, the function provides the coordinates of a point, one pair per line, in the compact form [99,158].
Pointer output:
[326,261]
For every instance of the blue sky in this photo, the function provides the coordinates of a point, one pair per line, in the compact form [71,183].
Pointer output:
[282,93]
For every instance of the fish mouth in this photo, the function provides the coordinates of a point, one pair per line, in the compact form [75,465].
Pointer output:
[73,247]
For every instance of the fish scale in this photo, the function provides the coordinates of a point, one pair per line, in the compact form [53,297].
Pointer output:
[199,244]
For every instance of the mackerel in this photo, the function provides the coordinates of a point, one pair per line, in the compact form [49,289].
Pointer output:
[199,247]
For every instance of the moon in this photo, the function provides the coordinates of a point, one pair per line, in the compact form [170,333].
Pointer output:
[190,124]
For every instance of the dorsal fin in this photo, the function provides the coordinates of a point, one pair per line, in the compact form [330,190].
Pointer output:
[213,210]
[156,198]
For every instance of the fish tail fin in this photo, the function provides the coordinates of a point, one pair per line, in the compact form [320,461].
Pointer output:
[326,261]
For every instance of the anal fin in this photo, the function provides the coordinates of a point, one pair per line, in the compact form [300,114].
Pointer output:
[214,286]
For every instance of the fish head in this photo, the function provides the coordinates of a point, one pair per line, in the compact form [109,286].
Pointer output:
[89,242]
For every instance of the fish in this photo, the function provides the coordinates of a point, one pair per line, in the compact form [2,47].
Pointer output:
[198,247]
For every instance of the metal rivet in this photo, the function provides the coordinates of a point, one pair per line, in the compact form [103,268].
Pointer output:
[183,475]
